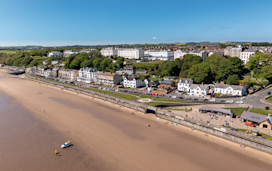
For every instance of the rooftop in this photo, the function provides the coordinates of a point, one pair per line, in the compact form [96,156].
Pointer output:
[214,109]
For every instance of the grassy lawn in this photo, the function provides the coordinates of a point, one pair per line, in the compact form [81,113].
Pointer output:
[111,93]
[115,94]
[162,103]
[269,99]
[221,95]
[154,79]
[189,109]
[169,100]
[268,137]
[237,111]
[238,129]
[261,111]
[145,96]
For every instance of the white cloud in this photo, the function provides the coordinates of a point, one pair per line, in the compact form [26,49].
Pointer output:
[154,38]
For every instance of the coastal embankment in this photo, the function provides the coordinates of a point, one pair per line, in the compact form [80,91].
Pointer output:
[110,136]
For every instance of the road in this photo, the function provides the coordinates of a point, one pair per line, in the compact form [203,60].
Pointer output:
[256,99]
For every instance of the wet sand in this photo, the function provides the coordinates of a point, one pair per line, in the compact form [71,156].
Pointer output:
[28,144]
[113,138]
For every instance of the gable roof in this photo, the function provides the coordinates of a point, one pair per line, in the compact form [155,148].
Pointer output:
[194,86]
[254,117]
[166,82]
[128,67]
[225,86]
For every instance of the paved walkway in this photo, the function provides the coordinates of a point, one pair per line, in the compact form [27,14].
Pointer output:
[217,119]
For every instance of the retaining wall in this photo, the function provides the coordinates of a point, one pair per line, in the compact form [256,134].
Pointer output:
[238,137]
[228,135]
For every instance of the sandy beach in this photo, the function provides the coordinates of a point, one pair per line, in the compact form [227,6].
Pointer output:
[105,136]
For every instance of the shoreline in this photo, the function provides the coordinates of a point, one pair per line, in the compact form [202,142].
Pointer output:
[154,118]
[161,124]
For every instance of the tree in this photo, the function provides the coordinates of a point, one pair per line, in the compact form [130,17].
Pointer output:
[187,62]
[214,61]
[169,68]
[201,73]
[75,64]
[86,63]
[96,63]
[120,62]
[233,79]
[266,72]
[105,63]
[229,67]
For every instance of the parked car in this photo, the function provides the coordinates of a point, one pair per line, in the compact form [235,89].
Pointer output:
[268,93]
[240,102]
[222,101]
[205,100]
[229,101]
[212,100]
[250,123]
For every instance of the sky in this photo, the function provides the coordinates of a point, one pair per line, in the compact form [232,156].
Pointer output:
[95,22]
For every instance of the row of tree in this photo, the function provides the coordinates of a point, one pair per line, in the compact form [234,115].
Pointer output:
[213,68]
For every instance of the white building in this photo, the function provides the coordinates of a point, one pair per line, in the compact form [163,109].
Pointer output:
[202,53]
[159,55]
[233,90]
[110,51]
[233,51]
[54,54]
[87,75]
[199,90]
[48,73]
[54,62]
[67,53]
[246,55]
[178,54]
[184,84]
[67,74]
[136,53]
[133,82]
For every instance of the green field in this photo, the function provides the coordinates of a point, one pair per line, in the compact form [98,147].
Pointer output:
[269,99]
[187,110]
[169,100]
[237,111]
[261,111]
[8,51]
[115,94]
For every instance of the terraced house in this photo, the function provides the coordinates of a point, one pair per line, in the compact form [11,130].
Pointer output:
[67,74]
[87,75]
[134,82]
[107,78]
[199,90]
[232,90]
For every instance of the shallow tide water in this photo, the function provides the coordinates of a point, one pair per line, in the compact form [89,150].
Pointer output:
[28,144]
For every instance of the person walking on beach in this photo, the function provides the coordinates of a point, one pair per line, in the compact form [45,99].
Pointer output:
[56,152]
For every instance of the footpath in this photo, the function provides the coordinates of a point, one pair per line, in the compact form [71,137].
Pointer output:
[225,133]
